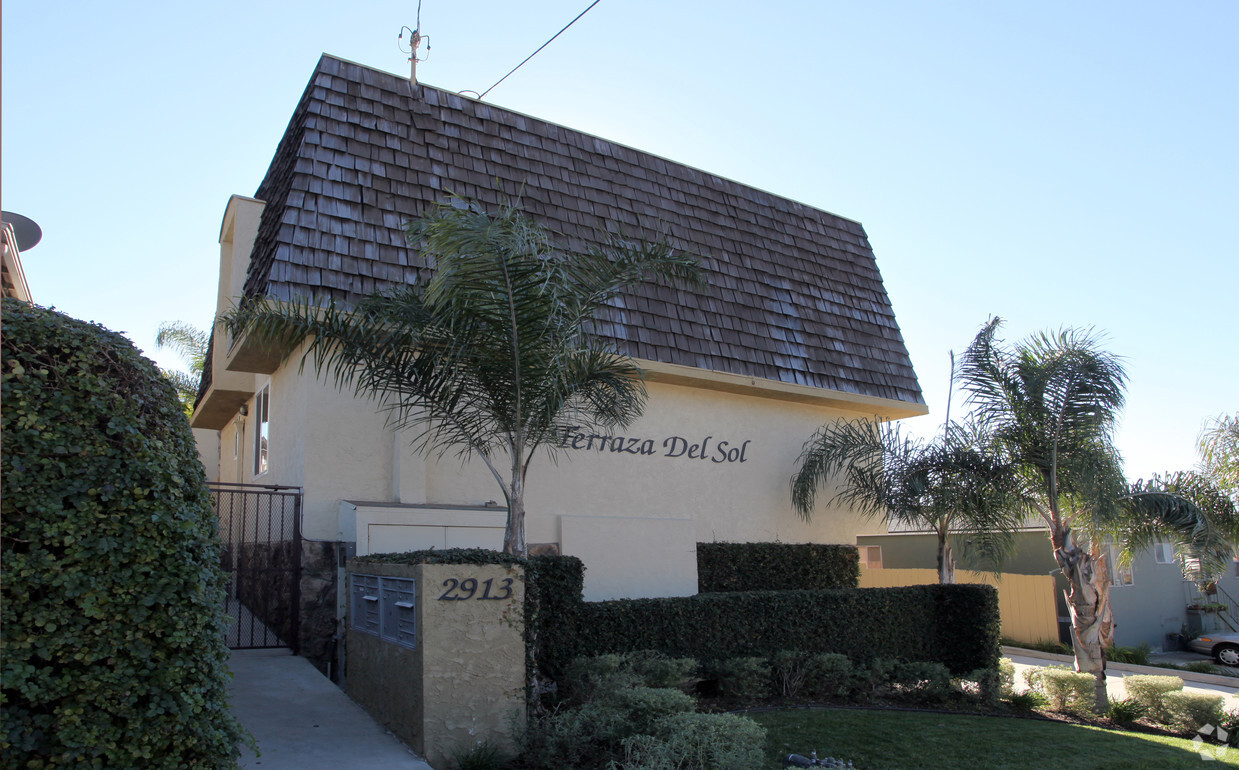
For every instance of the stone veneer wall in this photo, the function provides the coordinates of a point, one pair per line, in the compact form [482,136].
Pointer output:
[318,602]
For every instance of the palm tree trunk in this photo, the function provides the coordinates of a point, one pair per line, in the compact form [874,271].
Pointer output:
[514,533]
[1084,602]
[946,561]
[1106,616]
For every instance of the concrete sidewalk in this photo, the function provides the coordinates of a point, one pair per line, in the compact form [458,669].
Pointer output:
[1226,686]
[304,722]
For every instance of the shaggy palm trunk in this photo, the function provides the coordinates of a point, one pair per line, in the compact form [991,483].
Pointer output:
[1102,567]
[1087,607]
[514,533]
[946,561]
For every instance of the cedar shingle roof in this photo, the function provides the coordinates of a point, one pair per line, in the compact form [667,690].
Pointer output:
[794,293]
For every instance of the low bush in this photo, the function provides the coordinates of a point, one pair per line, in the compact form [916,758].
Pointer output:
[790,668]
[1149,690]
[775,567]
[920,682]
[747,679]
[483,755]
[1189,711]
[828,675]
[1042,645]
[1064,689]
[1006,676]
[657,670]
[643,706]
[697,742]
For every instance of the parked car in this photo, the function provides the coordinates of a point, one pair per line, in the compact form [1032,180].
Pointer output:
[1224,647]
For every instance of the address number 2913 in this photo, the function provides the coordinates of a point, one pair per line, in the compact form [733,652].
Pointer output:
[464,590]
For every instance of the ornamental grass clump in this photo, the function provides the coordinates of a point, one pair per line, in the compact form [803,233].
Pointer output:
[111,607]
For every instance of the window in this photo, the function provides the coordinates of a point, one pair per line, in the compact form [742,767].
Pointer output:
[1163,553]
[871,556]
[262,431]
[1119,575]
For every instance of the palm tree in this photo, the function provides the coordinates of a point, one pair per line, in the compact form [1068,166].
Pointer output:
[1050,404]
[1219,454]
[492,356]
[191,342]
[950,485]
[1191,511]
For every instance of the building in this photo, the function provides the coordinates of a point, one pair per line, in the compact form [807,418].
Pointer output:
[794,329]
[1150,598]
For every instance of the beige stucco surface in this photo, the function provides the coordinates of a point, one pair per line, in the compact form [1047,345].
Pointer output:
[699,465]
[464,682]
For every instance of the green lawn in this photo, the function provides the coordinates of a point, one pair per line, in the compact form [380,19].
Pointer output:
[900,740]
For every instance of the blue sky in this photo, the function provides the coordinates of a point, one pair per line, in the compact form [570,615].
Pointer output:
[1056,164]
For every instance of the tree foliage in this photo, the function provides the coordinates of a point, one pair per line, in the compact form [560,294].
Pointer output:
[492,357]
[950,485]
[112,609]
[191,343]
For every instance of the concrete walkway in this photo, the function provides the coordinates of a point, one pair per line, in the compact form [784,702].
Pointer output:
[304,722]
[1228,687]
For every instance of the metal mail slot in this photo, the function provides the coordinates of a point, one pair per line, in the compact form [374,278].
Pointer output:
[385,607]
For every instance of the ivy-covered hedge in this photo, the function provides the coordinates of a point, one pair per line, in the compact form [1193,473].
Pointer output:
[775,567]
[111,606]
[553,587]
[956,625]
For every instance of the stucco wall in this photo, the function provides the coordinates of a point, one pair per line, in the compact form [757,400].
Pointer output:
[464,682]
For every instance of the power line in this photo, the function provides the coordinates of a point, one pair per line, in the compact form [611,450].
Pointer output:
[544,45]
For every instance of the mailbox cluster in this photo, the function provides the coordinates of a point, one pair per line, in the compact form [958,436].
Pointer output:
[384,607]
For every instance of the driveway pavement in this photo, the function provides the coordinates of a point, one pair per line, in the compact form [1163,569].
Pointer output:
[304,722]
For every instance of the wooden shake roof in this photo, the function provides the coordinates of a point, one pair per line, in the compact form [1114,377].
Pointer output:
[794,293]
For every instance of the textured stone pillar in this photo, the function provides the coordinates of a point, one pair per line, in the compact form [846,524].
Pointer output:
[463,681]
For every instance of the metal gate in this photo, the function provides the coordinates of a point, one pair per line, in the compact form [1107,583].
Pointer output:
[260,528]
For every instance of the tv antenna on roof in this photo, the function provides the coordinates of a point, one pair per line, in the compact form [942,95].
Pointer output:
[415,42]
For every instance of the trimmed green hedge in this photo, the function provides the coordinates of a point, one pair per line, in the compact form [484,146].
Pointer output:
[956,625]
[112,621]
[775,567]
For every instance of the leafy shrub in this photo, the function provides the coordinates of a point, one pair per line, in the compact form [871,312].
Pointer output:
[585,677]
[588,735]
[654,669]
[111,610]
[1189,711]
[921,682]
[1064,689]
[1149,690]
[1006,676]
[790,668]
[1199,667]
[775,567]
[828,675]
[643,706]
[874,679]
[743,678]
[1134,655]
[698,742]
[956,625]
[1125,712]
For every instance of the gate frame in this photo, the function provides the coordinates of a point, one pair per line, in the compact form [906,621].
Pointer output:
[269,491]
